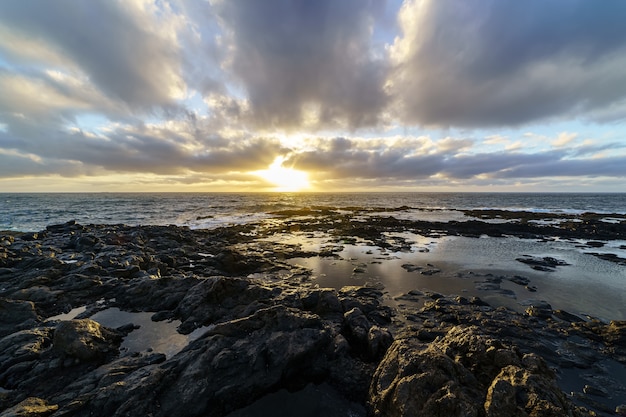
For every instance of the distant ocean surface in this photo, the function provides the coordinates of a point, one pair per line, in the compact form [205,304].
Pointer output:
[33,212]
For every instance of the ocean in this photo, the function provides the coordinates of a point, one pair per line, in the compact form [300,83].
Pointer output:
[33,212]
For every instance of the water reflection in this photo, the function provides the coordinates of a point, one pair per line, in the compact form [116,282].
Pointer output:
[160,336]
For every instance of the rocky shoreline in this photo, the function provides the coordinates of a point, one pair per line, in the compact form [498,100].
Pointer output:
[262,324]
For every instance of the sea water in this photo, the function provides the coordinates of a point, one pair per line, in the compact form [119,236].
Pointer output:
[33,212]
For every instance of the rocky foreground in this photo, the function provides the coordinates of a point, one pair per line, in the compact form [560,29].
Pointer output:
[268,327]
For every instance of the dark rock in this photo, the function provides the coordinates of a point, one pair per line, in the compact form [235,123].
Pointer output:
[538,308]
[85,340]
[465,373]
[366,340]
[219,299]
[31,236]
[412,268]
[597,391]
[357,327]
[546,263]
[228,368]
[519,280]
[564,315]
[19,353]
[328,303]
[378,341]
[16,315]
[31,407]
[38,294]
[272,330]
[595,244]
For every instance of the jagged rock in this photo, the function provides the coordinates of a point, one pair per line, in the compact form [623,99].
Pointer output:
[30,407]
[378,341]
[547,263]
[538,308]
[85,339]
[20,353]
[219,299]
[367,340]
[321,301]
[271,330]
[465,373]
[228,368]
[527,390]
[16,315]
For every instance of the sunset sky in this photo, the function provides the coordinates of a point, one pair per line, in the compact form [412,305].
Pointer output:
[323,95]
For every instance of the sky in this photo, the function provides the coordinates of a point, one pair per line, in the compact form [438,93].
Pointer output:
[303,95]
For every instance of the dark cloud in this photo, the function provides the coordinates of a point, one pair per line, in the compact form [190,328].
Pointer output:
[307,62]
[609,167]
[507,62]
[182,148]
[341,158]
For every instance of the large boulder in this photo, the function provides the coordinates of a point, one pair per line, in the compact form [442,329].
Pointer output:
[465,373]
[85,340]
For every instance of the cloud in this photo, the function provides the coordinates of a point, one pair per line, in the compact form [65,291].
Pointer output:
[164,149]
[506,62]
[420,160]
[306,63]
[564,138]
[124,48]
[178,92]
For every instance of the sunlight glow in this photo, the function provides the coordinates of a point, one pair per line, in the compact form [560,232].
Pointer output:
[285,179]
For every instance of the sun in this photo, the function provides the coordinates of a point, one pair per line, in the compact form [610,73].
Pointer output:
[285,179]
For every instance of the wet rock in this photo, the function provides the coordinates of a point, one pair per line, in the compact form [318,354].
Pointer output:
[538,308]
[465,373]
[16,315]
[85,340]
[519,280]
[228,368]
[20,352]
[31,407]
[270,331]
[366,340]
[219,299]
[37,294]
[367,300]
[412,268]
[356,328]
[378,341]
[235,263]
[520,391]
[597,391]
[328,303]
[547,263]
[564,315]
[31,236]
[595,244]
